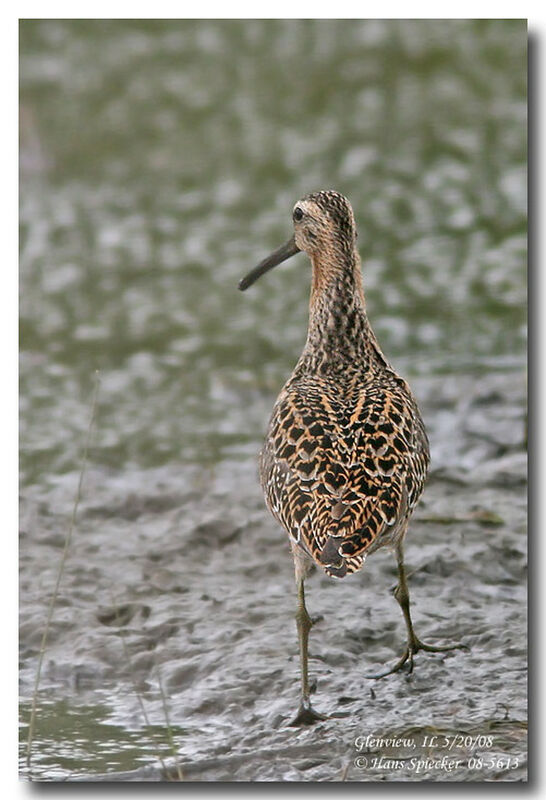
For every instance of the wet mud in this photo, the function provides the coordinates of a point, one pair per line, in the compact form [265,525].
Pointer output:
[179,587]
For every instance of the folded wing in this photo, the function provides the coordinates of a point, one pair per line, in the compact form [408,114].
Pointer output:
[341,478]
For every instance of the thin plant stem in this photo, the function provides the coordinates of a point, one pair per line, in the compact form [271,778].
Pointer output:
[168,724]
[126,654]
[133,679]
[68,539]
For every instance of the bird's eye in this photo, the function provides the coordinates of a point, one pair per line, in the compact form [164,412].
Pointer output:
[298,214]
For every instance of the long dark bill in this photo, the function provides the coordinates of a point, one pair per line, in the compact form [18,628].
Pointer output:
[279,255]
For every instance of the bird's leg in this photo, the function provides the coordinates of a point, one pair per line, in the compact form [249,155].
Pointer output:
[415,644]
[306,714]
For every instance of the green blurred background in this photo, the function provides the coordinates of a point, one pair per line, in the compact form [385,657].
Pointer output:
[161,159]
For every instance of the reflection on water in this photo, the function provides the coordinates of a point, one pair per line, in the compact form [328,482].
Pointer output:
[160,160]
[82,739]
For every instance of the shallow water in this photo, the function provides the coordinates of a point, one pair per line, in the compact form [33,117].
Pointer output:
[159,161]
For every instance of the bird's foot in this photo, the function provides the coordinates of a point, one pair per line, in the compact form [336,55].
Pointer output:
[306,715]
[405,662]
[440,648]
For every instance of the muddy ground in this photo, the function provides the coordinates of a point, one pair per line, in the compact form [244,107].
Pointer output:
[181,580]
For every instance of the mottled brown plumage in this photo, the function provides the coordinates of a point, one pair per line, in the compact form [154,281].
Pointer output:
[346,453]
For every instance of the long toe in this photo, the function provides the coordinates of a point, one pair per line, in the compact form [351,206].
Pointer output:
[439,648]
[406,661]
[407,658]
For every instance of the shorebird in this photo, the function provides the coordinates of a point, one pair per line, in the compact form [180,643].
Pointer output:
[346,453]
